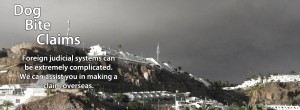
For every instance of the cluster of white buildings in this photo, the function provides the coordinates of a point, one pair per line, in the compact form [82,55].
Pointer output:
[283,107]
[140,96]
[181,100]
[273,78]
[97,50]
[18,94]
[149,95]
[21,93]
[197,102]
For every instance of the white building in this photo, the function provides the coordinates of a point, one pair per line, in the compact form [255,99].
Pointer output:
[197,102]
[9,89]
[283,107]
[20,93]
[3,71]
[168,67]
[153,62]
[96,51]
[273,78]
[19,98]
[104,95]
[149,95]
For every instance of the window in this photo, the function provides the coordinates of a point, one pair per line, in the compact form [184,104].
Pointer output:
[17,100]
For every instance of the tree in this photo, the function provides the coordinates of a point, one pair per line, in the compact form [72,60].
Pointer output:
[179,68]
[226,84]
[7,104]
[1,107]
[254,77]
[121,98]
[262,79]
[79,53]
[169,62]
[234,106]
[293,72]
[133,105]
[120,47]
[49,91]
[193,107]
[249,106]
[261,106]
[205,106]
[246,106]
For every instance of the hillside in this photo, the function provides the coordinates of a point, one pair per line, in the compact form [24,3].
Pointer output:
[275,93]
[131,76]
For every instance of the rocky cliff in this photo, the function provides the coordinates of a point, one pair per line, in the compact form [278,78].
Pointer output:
[276,93]
[11,60]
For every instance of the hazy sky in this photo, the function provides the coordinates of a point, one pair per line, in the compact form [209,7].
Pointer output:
[214,39]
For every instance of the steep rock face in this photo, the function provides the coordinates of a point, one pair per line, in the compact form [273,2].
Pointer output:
[13,76]
[134,72]
[143,77]
[277,93]
[147,72]
[12,62]
[3,53]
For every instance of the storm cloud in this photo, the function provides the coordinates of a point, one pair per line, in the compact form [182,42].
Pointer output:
[218,40]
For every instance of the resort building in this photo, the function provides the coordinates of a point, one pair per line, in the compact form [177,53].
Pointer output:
[273,78]
[283,107]
[198,103]
[96,51]
[21,93]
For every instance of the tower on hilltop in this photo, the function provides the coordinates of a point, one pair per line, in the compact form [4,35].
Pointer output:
[68,31]
[157,52]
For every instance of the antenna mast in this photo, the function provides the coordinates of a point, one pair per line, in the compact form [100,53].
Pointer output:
[157,52]
[68,32]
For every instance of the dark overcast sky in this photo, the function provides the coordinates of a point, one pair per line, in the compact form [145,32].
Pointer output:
[214,39]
